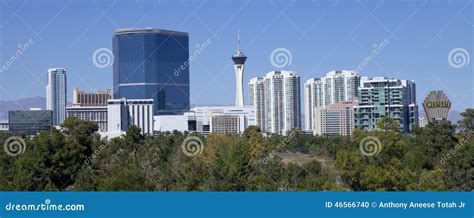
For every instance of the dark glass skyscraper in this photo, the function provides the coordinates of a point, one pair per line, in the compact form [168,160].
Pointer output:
[152,63]
[30,122]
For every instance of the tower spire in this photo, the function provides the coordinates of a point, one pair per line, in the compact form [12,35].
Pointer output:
[238,40]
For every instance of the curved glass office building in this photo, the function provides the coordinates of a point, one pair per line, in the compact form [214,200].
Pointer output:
[152,63]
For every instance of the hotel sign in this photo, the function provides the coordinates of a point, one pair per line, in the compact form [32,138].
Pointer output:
[432,104]
[437,106]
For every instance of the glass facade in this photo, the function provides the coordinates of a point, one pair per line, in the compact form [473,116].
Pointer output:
[152,64]
[56,92]
[30,122]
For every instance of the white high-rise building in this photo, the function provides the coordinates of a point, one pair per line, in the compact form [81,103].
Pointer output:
[335,87]
[56,92]
[276,99]
[257,99]
[313,97]
[123,113]
[239,59]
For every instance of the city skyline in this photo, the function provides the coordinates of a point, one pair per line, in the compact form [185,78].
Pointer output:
[236,108]
[311,55]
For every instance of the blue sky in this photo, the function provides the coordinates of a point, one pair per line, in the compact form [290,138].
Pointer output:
[320,35]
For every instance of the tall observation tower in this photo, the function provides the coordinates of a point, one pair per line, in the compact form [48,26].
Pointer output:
[239,60]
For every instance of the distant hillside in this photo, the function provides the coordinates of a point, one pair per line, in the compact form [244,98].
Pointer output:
[21,104]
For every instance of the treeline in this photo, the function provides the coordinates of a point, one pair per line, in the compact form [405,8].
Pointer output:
[434,158]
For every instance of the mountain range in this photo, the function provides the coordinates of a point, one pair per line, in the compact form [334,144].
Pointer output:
[21,104]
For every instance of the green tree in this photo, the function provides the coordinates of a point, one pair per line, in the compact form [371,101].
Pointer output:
[458,169]
[7,164]
[267,176]
[351,167]
[86,180]
[431,181]
[126,177]
[191,175]
[313,180]
[388,124]
[467,122]
[258,149]
[133,139]
[251,130]
[231,168]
